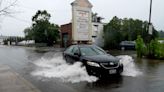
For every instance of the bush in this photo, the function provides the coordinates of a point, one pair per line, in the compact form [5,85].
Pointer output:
[153,50]
[140,46]
[156,49]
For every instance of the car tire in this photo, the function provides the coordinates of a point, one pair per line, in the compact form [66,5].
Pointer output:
[66,59]
[120,70]
[91,73]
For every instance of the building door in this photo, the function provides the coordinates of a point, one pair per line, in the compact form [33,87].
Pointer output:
[65,40]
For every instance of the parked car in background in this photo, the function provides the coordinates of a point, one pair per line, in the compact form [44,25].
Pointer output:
[95,59]
[161,41]
[127,45]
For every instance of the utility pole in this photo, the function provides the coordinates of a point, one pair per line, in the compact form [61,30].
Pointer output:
[150,27]
[150,11]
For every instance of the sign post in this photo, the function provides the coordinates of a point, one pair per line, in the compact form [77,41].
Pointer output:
[81,21]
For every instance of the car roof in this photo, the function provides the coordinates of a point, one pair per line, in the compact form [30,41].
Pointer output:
[83,45]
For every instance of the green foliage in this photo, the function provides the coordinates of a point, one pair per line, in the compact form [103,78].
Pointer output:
[28,33]
[140,47]
[156,49]
[162,51]
[41,16]
[112,34]
[118,30]
[42,31]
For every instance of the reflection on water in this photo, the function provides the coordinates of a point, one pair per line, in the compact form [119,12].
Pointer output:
[127,52]
[151,67]
[108,82]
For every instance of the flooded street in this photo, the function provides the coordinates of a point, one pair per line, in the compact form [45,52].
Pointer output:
[50,73]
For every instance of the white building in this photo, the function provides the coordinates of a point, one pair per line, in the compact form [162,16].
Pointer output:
[97,33]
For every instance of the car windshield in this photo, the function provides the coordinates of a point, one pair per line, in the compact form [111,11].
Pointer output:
[90,51]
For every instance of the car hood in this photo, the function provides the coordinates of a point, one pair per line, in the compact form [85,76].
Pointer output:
[101,58]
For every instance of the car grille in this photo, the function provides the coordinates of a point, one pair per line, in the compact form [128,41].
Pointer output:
[109,65]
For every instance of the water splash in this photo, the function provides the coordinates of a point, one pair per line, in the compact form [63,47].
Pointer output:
[58,68]
[129,66]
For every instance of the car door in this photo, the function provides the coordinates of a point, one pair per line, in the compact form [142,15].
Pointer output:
[68,54]
[75,54]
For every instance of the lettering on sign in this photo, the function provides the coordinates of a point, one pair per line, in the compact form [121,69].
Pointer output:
[83,25]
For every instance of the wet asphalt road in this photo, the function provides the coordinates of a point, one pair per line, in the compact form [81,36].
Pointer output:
[20,60]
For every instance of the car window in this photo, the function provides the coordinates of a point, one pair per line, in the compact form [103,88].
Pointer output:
[75,50]
[99,50]
[90,51]
[69,50]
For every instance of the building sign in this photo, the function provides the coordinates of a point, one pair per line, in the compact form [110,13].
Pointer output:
[81,21]
[82,24]
[150,29]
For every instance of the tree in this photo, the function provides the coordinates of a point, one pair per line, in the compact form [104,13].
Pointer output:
[28,33]
[41,16]
[96,18]
[42,31]
[112,33]
[118,30]
[6,7]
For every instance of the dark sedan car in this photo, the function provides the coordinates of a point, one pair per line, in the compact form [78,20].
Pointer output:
[96,60]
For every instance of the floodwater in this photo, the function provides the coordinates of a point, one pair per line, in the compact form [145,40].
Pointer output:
[50,73]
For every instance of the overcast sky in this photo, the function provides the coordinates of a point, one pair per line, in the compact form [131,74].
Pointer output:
[60,11]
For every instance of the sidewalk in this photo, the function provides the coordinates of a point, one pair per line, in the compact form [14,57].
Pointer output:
[12,82]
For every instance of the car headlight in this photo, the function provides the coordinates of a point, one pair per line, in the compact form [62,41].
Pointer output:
[93,64]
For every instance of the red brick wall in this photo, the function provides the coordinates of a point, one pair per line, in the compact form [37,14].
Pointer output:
[66,29]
